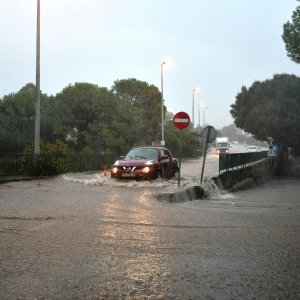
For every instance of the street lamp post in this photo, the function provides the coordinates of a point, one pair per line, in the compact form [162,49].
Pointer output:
[193,105]
[38,91]
[195,89]
[199,104]
[204,115]
[162,104]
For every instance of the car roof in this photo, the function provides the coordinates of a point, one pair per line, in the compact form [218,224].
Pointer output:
[149,147]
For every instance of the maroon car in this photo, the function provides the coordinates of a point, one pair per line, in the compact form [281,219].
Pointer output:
[145,163]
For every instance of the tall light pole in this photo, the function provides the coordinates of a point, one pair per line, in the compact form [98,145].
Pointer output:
[37,91]
[195,89]
[204,115]
[199,104]
[193,104]
[162,104]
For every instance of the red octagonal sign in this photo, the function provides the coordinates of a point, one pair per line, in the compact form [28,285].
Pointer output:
[181,120]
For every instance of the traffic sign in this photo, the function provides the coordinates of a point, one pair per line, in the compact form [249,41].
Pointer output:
[181,120]
[209,134]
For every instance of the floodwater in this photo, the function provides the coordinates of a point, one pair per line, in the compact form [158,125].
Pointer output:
[84,236]
[190,175]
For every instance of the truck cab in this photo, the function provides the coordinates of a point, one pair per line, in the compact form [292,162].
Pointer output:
[222,145]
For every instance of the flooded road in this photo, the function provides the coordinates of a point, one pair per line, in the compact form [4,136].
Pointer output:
[83,236]
[190,175]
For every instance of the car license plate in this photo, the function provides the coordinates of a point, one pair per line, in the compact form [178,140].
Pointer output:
[128,175]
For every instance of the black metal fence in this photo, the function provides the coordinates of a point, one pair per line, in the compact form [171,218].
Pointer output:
[240,160]
[45,164]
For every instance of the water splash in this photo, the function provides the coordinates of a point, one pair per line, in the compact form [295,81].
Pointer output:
[96,179]
[184,192]
[86,179]
[213,191]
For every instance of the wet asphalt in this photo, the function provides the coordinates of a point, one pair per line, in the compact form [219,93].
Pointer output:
[62,239]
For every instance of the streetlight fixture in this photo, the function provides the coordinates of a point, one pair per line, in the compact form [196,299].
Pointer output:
[162,103]
[38,91]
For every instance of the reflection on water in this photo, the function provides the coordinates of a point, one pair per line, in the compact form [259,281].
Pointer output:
[134,251]
[136,260]
[110,209]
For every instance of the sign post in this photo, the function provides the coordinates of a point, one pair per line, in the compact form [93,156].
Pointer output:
[181,120]
[209,135]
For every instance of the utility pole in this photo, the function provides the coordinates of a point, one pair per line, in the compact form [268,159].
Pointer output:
[37,87]
[162,105]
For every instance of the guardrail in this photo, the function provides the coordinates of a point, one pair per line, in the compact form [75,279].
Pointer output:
[240,160]
[45,164]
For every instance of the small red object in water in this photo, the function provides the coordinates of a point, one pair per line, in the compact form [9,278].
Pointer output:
[104,170]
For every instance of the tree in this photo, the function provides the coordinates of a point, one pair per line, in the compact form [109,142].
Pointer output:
[17,118]
[145,103]
[90,119]
[271,109]
[78,108]
[291,36]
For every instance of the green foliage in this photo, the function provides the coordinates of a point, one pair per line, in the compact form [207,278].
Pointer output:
[142,104]
[58,148]
[17,119]
[51,160]
[271,108]
[291,36]
[79,106]
[192,145]
[89,119]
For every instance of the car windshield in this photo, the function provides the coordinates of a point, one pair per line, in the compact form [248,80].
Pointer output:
[142,154]
[221,145]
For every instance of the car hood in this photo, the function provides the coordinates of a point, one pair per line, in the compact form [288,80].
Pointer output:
[133,162]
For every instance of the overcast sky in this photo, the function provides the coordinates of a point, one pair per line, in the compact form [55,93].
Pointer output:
[216,45]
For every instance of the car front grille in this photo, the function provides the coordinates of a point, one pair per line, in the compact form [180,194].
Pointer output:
[130,168]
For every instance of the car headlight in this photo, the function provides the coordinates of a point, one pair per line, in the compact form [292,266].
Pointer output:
[114,170]
[146,170]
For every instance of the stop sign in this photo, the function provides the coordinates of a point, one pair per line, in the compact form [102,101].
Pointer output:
[181,120]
